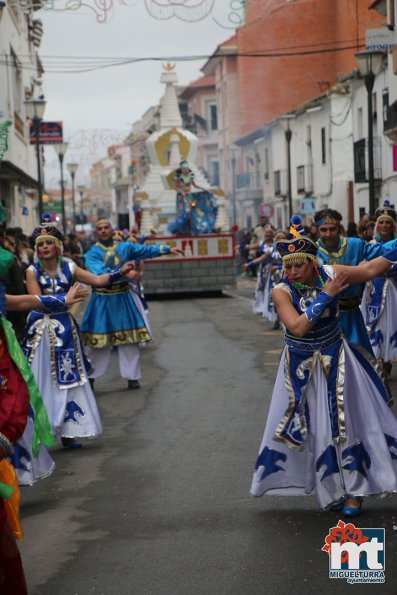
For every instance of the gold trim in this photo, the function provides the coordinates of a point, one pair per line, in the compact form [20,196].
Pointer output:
[125,337]
[115,289]
[334,257]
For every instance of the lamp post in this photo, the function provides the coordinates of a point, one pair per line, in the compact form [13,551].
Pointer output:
[35,112]
[72,168]
[284,122]
[81,189]
[233,151]
[60,150]
[369,63]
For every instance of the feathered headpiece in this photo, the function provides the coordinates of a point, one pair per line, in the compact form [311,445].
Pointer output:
[296,247]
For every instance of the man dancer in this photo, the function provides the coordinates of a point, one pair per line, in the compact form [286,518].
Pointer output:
[335,249]
[115,315]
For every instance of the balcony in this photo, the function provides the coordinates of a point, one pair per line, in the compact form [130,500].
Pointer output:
[361,160]
[304,179]
[251,180]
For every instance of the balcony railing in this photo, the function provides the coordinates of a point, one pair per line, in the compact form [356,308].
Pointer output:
[361,160]
[250,180]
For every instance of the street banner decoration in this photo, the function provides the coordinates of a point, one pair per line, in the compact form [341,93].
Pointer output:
[51,133]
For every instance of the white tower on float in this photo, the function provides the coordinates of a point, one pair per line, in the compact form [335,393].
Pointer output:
[166,148]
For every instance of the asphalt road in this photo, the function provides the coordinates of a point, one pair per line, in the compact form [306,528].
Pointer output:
[159,505]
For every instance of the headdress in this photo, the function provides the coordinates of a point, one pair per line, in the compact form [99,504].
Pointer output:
[183,163]
[46,218]
[296,248]
[45,232]
[327,220]
[387,210]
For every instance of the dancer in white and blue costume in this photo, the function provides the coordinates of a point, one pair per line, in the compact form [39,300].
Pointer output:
[330,432]
[115,315]
[334,249]
[263,263]
[379,304]
[52,342]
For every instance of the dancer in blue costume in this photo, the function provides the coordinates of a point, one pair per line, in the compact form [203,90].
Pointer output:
[330,432]
[52,342]
[335,249]
[114,316]
[379,304]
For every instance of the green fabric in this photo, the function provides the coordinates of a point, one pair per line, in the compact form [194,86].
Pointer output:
[6,260]
[4,137]
[42,433]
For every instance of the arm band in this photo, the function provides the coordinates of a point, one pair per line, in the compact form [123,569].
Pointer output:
[250,263]
[115,277]
[317,307]
[54,303]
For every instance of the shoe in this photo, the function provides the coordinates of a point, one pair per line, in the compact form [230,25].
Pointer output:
[133,385]
[91,381]
[352,507]
[338,505]
[71,443]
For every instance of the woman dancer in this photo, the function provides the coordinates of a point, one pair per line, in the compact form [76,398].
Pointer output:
[329,431]
[264,264]
[52,341]
[379,303]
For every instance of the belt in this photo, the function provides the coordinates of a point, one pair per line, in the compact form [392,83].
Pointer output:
[349,303]
[310,345]
[114,289]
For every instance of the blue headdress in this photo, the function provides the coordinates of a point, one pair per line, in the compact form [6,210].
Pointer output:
[296,247]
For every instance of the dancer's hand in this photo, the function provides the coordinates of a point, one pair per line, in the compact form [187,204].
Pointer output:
[127,267]
[77,293]
[335,286]
[177,251]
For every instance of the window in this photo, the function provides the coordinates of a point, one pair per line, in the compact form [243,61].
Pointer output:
[323,146]
[212,116]
[213,169]
[277,182]
[16,82]
[385,106]
[266,164]
[360,132]
[300,175]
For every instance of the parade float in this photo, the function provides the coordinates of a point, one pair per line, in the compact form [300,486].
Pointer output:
[194,220]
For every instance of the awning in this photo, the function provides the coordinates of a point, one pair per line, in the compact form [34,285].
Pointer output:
[12,173]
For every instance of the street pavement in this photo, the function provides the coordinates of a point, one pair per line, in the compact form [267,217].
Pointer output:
[160,504]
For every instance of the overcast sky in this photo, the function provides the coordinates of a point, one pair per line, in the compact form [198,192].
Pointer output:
[113,98]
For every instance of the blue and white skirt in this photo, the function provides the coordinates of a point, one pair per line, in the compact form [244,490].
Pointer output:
[364,463]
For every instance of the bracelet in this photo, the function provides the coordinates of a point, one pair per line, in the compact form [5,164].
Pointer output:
[6,446]
[54,303]
[317,307]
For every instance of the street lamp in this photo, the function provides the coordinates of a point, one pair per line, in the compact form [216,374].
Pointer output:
[60,150]
[233,152]
[35,112]
[72,168]
[284,122]
[369,63]
[81,189]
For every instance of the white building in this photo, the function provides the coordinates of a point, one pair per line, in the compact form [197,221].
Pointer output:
[20,72]
[321,167]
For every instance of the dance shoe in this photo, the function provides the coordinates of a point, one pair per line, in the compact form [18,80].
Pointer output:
[352,507]
[133,385]
[338,505]
[71,443]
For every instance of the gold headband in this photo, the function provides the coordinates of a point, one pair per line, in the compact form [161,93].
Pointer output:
[328,220]
[47,236]
[385,216]
[297,258]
